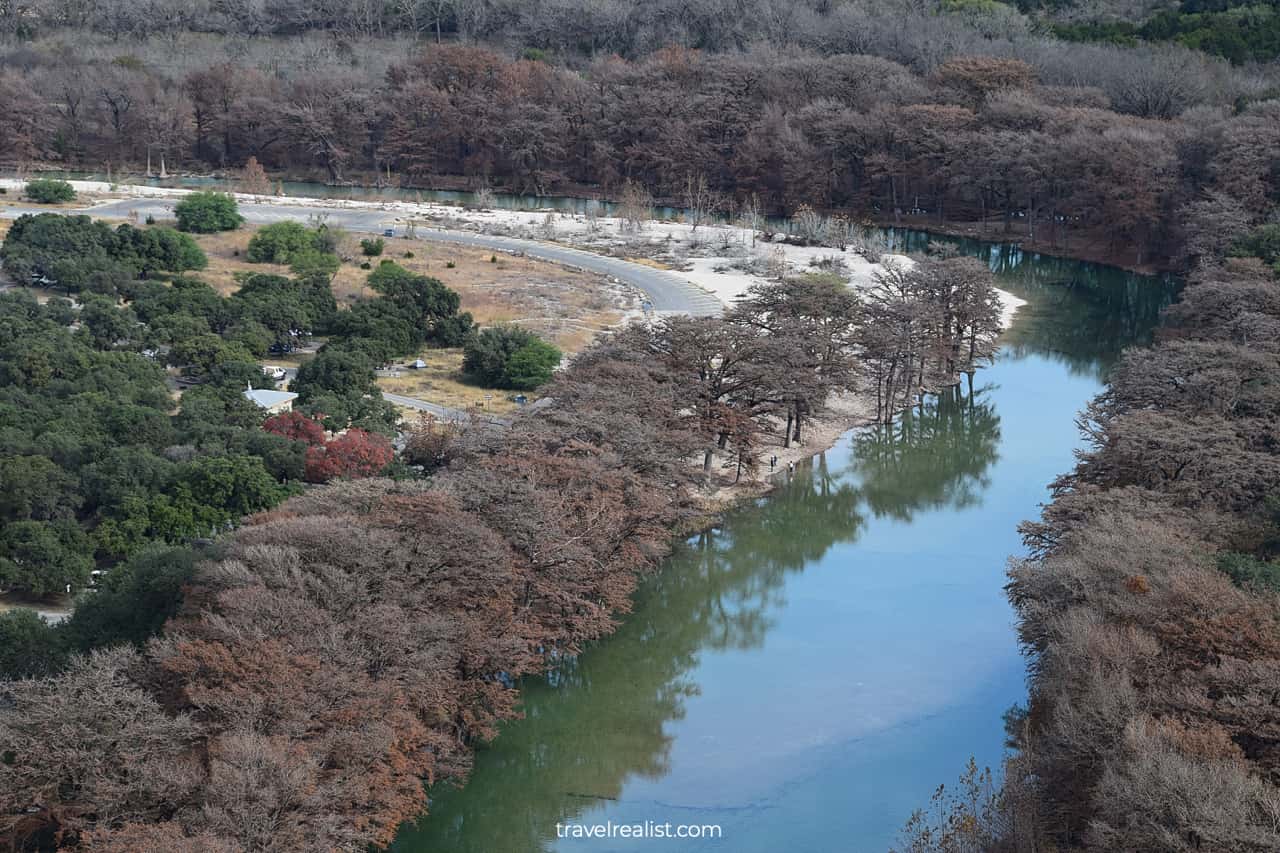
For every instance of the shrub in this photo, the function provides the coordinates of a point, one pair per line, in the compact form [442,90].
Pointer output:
[282,242]
[50,191]
[1263,242]
[1247,571]
[450,265]
[208,212]
[372,246]
[408,254]
[509,357]
[365,265]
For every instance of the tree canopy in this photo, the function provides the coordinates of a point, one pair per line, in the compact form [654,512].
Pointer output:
[206,212]
[509,357]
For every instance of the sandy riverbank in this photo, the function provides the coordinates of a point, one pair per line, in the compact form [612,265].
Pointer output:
[843,413]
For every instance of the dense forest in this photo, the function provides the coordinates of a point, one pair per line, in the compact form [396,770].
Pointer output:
[1150,603]
[98,460]
[948,115]
[335,650]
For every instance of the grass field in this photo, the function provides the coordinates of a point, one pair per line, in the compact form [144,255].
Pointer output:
[441,381]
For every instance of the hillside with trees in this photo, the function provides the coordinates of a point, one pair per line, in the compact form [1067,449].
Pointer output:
[332,652]
[273,666]
[98,460]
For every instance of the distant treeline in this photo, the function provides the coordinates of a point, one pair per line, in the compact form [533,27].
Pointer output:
[1056,140]
[950,113]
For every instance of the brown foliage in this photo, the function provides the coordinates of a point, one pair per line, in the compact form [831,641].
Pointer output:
[974,140]
[1154,723]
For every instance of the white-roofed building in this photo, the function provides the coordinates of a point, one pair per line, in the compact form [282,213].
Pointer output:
[273,401]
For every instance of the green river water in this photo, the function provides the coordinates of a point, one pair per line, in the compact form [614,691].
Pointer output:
[805,674]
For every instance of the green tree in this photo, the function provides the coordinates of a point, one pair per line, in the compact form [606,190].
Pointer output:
[203,353]
[60,310]
[283,457]
[121,472]
[425,302]
[155,249]
[36,243]
[282,242]
[509,357]
[208,212]
[1262,242]
[252,335]
[341,372]
[35,487]
[377,328]
[49,191]
[234,486]
[29,646]
[315,268]
[105,323]
[44,557]
[133,601]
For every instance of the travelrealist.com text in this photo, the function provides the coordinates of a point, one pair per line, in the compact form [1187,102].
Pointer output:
[647,829]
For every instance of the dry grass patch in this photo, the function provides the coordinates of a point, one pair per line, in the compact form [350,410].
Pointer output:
[441,381]
[227,251]
[17,199]
[567,307]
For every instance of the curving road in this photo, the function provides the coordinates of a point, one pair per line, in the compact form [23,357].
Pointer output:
[665,293]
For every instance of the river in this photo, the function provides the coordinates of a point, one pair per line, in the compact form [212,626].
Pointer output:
[805,674]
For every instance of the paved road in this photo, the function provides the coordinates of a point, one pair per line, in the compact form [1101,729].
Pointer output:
[442,412]
[666,293]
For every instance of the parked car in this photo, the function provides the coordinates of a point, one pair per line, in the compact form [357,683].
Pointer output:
[276,373]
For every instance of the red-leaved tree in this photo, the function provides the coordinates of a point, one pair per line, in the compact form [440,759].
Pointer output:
[353,454]
[296,426]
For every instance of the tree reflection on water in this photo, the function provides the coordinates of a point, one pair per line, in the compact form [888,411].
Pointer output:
[599,719]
